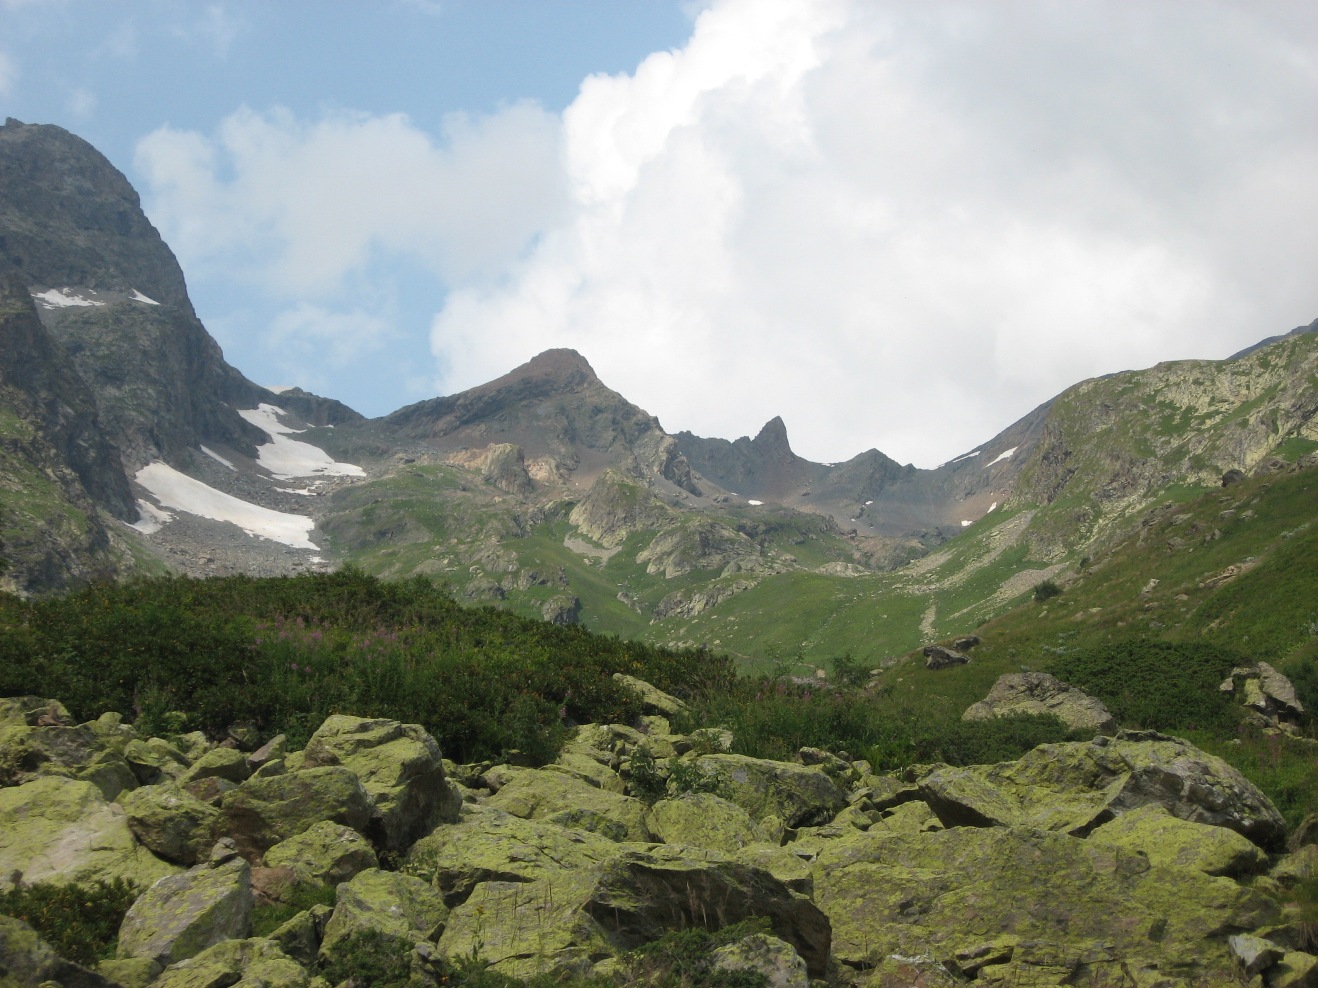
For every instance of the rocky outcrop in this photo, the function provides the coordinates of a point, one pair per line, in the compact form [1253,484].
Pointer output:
[942,657]
[27,961]
[1039,693]
[1267,693]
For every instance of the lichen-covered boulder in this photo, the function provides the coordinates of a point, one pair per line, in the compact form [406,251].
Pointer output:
[180,916]
[58,829]
[154,760]
[399,765]
[75,752]
[399,907]
[760,953]
[325,854]
[300,936]
[32,711]
[559,798]
[171,822]
[796,795]
[1039,693]
[570,920]
[218,763]
[1075,787]
[264,811]
[1168,840]
[253,963]
[491,845]
[27,961]
[1018,900]
[702,820]
[653,699]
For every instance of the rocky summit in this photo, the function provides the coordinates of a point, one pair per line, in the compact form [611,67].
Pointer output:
[1132,859]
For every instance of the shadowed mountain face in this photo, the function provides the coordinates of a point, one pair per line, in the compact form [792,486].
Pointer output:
[112,293]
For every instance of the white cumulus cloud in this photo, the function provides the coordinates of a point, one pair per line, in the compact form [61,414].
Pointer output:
[902,225]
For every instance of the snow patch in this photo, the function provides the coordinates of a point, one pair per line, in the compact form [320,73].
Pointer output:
[62,299]
[294,490]
[868,503]
[218,458]
[965,456]
[1004,455]
[753,502]
[153,519]
[287,458]
[992,508]
[280,388]
[139,297]
[182,493]
[964,523]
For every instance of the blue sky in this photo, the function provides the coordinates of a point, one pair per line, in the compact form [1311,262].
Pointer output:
[896,225]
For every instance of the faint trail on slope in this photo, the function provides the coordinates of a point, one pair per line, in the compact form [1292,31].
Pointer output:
[927,622]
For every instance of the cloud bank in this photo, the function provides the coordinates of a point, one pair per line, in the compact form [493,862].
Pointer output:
[896,225]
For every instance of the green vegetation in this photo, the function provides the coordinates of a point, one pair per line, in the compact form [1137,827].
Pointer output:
[368,957]
[80,922]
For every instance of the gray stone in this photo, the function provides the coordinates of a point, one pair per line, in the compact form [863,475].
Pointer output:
[182,915]
[1040,693]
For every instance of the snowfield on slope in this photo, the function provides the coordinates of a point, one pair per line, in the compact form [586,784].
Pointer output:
[287,458]
[180,492]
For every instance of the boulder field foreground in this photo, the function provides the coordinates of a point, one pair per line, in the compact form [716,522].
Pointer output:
[1131,860]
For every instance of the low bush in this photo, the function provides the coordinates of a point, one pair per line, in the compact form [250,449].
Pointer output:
[80,922]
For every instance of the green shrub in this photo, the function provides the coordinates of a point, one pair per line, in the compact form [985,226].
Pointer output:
[684,958]
[849,672]
[369,958]
[1166,686]
[268,918]
[1046,590]
[80,922]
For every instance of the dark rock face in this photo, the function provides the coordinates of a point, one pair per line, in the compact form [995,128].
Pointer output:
[69,217]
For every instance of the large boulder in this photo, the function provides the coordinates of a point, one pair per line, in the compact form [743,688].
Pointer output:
[776,794]
[1075,787]
[180,916]
[569,920]
[1013,905]
[254,963]
[59,829]
[154,760]
[653,699]
[561,799]
[264,811]
[399,765]
[27,961]
[781,966]
[229,764]
[1038,693]
[399,907]
[703,820]
[1167,840]
[325,854]
[491,845]
[75,752]
[171,822]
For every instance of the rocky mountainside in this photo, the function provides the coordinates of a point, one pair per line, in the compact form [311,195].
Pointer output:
[545,490]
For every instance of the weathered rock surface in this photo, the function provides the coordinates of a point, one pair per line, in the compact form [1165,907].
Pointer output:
[1040,693]
[325,854]
[254,963]
[58,829]
[399,765]
[941,657]
[264,811]
[780,964]
[561,799]
[653,699]
[171,822]
[567,922]
[1167,840]
[703,820]
[1075,787]
[400,907]
[988,903]
[792,795]
[489,845]
[182,915]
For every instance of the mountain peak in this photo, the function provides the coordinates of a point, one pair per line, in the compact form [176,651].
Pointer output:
[561,362]
[773,435]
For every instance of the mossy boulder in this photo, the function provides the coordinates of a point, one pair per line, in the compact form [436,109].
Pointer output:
[555,797]
[256,962]
[572,919]
[171,822]
[1075,787]
[796,795]
[1168,840]
[397,906]
[324,854]
[491,845]
[154,760]
[264,811]
[971,898]
[181,915]
[702,819]
[775,959]
[27,961]
[399,765]
[1037,694]
[59,829]
[218,763]
[653,699]
[75,752]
